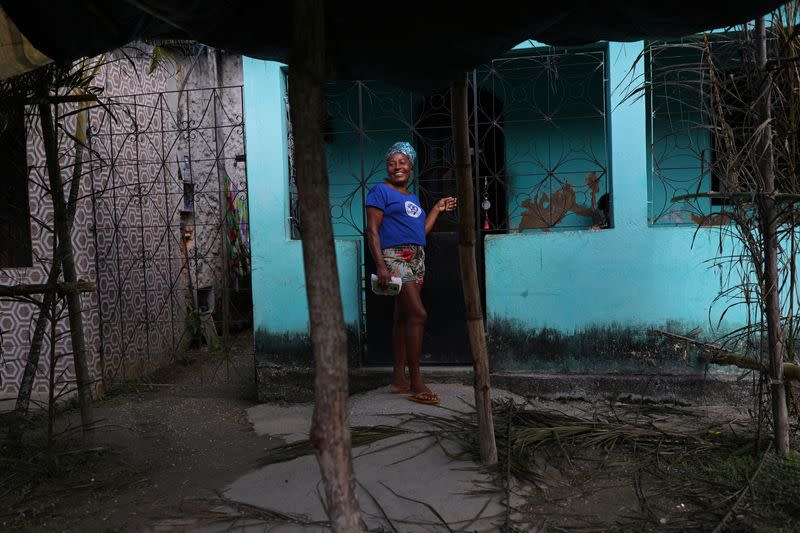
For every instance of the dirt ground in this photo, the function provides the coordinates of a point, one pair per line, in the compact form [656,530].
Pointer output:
[183,435]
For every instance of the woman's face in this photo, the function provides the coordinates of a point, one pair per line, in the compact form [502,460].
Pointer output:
[398,170]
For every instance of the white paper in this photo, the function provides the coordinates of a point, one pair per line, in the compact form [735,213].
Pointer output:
[392,289]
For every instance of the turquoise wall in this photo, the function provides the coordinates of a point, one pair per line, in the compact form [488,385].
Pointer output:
[280,311]
[581,300]
[570,300]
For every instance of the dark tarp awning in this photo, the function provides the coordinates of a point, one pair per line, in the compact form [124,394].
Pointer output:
[414,44]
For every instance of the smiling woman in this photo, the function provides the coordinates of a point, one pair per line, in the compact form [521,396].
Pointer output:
[396,231]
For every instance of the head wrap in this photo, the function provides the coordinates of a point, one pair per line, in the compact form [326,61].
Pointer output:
[404,148]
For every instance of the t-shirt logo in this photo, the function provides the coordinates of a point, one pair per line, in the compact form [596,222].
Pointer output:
[413,209]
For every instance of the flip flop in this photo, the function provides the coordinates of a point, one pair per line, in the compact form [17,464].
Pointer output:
[428,398]
[397,390]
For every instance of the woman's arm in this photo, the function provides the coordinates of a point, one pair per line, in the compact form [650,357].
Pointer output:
[445,204]
[374,220]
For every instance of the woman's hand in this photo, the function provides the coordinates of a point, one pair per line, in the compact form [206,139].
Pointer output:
[384,277]
[446,204]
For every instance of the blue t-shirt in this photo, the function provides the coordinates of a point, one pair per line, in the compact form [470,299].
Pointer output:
[403,218]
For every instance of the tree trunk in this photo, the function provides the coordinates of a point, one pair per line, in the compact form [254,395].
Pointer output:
[330,432]
[769,230]
[62,229]
[469,273]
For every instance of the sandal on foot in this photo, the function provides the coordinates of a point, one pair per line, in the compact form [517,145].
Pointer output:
[429,398]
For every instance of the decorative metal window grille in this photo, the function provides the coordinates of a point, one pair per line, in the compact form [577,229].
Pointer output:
[549,109]
[680,142]
[294,209]
[538,119]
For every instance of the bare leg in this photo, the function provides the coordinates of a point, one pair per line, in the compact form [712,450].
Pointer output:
[414,316]
[399,381]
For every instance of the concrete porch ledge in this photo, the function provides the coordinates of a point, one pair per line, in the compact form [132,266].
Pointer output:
[288,383]
[295,383]
[677,389]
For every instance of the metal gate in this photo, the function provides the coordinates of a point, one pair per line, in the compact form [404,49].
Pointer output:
[169,209]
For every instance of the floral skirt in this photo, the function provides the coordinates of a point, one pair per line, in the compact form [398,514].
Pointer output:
[406,262]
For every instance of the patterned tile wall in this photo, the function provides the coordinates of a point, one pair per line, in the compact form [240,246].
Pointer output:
[129,225]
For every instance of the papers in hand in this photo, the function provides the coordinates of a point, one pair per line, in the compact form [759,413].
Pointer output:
[392,289]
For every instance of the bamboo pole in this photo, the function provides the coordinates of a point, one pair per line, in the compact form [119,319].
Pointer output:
[67,259]
[330,431]
[769,231]
[778,197]
[469,272]
[718,355]
[34,352]
[62,99]
[29,289]
[219,149]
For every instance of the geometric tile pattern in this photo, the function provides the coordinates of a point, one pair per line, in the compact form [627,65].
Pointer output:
[131,224]
[18,318]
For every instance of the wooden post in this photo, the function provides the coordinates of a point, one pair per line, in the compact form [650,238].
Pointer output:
[469,272]
[30,289]
[219,149]
[67,259]
[330,431]
[32,363]
[769,231]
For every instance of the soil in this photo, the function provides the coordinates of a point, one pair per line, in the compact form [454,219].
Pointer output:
[181,436]
[182,433]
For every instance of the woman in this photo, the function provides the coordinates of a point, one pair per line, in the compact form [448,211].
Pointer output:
[396,230]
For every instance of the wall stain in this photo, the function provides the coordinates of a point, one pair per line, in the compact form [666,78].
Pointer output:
[295,348]
[285,366]
[598,348]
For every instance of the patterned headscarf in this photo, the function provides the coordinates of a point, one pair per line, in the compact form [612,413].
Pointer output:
[404,148]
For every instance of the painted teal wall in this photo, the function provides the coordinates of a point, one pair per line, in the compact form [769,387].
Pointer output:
[280,311]
[584,300]
[566,300]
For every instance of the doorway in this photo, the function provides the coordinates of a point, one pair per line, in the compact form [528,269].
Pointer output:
[446,341]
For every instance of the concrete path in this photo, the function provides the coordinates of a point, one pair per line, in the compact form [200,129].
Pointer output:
[405,483]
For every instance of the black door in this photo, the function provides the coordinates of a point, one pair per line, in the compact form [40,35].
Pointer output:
[445,340]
